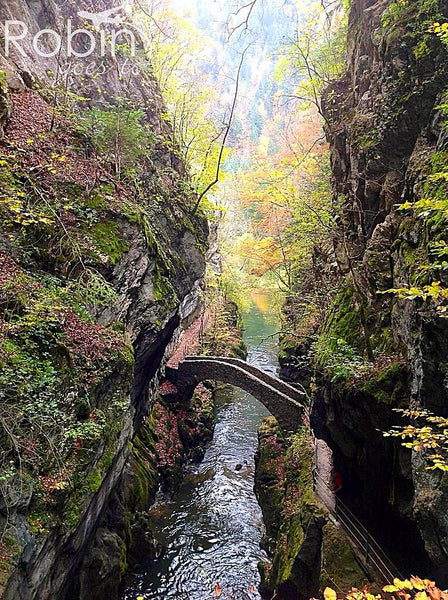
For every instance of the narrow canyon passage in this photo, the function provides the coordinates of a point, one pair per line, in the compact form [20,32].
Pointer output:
[211,530]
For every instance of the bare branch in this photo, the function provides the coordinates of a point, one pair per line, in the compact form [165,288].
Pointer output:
[226,133]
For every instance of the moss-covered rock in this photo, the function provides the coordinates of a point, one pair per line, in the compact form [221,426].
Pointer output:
[340,568]
[5,102]
[293,518]
[269,474]
[389,384]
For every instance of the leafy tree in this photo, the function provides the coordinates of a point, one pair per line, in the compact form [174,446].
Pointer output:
[317,55]
[180,61]
[118,133]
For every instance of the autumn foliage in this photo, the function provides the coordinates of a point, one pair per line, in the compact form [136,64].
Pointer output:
[419,589]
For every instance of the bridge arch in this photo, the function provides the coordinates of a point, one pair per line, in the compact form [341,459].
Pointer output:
[284,402]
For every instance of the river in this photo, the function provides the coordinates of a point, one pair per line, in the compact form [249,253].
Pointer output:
[212,527]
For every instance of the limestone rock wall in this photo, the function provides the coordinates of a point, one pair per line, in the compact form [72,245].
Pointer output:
[386,134]
[142,240]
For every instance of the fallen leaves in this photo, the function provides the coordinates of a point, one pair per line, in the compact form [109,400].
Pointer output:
[35,134]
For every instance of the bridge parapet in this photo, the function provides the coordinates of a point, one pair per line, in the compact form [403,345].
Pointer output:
[269,390]
[272,380]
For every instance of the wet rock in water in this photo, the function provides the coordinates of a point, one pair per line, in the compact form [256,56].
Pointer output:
[192,480]
[239,466]
[145,547]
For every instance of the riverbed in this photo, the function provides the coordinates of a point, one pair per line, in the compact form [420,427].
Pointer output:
[209,533]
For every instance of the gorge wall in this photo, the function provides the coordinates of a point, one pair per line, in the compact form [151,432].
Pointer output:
[102,261]
[374,352]
[388,136]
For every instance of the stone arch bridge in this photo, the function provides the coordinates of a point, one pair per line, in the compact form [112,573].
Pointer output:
[284,402]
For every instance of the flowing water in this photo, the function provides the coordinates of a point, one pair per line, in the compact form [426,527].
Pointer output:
[212,528]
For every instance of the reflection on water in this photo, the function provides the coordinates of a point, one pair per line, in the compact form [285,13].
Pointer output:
[211,530]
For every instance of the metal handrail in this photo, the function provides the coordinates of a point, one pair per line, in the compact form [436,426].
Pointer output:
[374,555]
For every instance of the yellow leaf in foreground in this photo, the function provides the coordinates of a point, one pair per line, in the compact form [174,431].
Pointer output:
[330,594]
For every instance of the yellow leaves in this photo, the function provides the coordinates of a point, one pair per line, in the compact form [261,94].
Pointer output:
[19,214]
[439,464]
[15,205]
[434,291]
[403,585]
[419,584]
[418,589]
[441,30]
[401,588]
[330,594]
[432,435]
[437,27]
[58,157]
[426,589]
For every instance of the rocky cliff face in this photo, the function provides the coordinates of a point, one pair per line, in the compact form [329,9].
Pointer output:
[308,552]
[387,135]
[102,261]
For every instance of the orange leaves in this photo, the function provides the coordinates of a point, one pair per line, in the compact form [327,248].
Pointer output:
[415,588]
[218,590]
[262,255]
[427,590]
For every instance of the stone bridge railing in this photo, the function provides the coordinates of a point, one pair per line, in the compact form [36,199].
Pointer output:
[284,402]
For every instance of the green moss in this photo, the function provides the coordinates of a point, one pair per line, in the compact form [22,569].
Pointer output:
[390,385]
[123,564]
[141,488]
[239,350]
[151,239]
[97,199]
[343,323]
[163,290]
[107,239]
[414,257]
[362,134]
[410,20]
[127,356]
[3,79]
[421,49]
[284,488]
[340,568]
[39,522]
[94,479]
[289,541]
[268,485]
[12,550]
[287,347]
